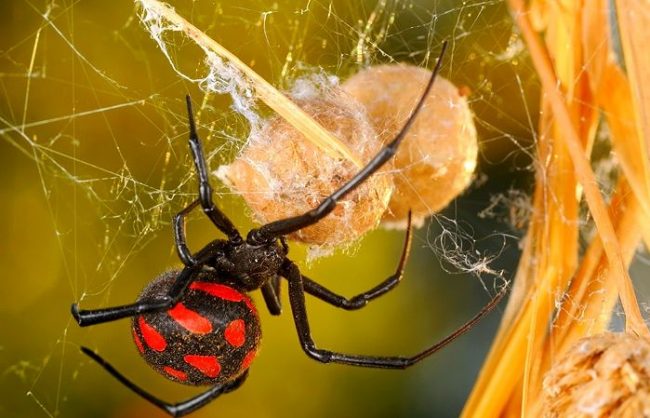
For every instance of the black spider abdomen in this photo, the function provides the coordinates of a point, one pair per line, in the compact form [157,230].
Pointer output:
[209,338]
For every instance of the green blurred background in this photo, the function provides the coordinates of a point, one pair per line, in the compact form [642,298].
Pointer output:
[93,165]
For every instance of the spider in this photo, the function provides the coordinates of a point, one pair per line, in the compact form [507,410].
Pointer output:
[198,326]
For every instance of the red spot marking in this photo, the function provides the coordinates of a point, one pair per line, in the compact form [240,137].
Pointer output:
[246,362]
[175,373]
[218,290]
[224,292]
[152,338]
[236,333]
[138,342]
[208,365]
[189,319]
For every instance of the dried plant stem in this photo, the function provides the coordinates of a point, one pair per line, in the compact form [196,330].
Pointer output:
[589,296]
[551,246]
[581,80]
[277,101]
[634,320]
[634,23]
[617,103]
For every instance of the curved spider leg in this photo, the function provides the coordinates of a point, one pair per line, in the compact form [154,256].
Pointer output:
[359,301]
[297,301]
[271,293]
[177,409]
[273,230]
[182,249]
[218,218]
[97,316]
[183,280]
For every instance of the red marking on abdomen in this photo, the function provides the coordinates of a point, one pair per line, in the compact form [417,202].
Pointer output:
[246,362]
[189,319]
[138,343]
[152,338]
[208,365]
[224,292]
[220,291]
[236,333]
[175,373]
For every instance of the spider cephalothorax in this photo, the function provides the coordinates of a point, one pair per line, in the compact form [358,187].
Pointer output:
[197,325]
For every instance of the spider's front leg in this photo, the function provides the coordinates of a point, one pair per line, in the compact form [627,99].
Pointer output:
[273,230]
[178,409]
[218,218]
[299,311]
[183,280]
[97,316]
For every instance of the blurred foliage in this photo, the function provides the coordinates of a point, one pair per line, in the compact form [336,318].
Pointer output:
[94,164]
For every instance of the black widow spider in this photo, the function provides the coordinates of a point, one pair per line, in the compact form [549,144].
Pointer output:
[197,325]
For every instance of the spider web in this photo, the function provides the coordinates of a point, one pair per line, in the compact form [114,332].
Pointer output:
[93,145]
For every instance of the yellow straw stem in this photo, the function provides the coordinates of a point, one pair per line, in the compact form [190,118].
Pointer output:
[277,101]
[634,23]
[586,177]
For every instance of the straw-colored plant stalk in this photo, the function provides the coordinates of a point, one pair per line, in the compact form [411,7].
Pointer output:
[559,298]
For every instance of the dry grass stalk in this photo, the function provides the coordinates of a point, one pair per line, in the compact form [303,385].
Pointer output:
[633,19]
[578,77]
[586,177]
[315,133]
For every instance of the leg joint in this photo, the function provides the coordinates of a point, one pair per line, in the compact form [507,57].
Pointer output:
[322,356]
[355,303]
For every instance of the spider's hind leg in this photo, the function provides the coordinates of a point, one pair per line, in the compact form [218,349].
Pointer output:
[178,409]
[298,309]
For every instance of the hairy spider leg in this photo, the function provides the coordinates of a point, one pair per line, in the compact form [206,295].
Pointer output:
[273,230]
[271,293]
[97,316]
[217,217]
[178,409]
[299,312]
[182,249]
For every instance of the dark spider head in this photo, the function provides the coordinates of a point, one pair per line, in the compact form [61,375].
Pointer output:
[253,265]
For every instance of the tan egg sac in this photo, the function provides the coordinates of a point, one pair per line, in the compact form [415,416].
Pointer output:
[606,375]
[436,161]
[281,174]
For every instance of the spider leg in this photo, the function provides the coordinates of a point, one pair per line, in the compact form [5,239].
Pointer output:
[218,218]
[178,409]
[273,230]
[362,299]
[271,293]
[183,251]
[212,251]
[297,300]
[97,316]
